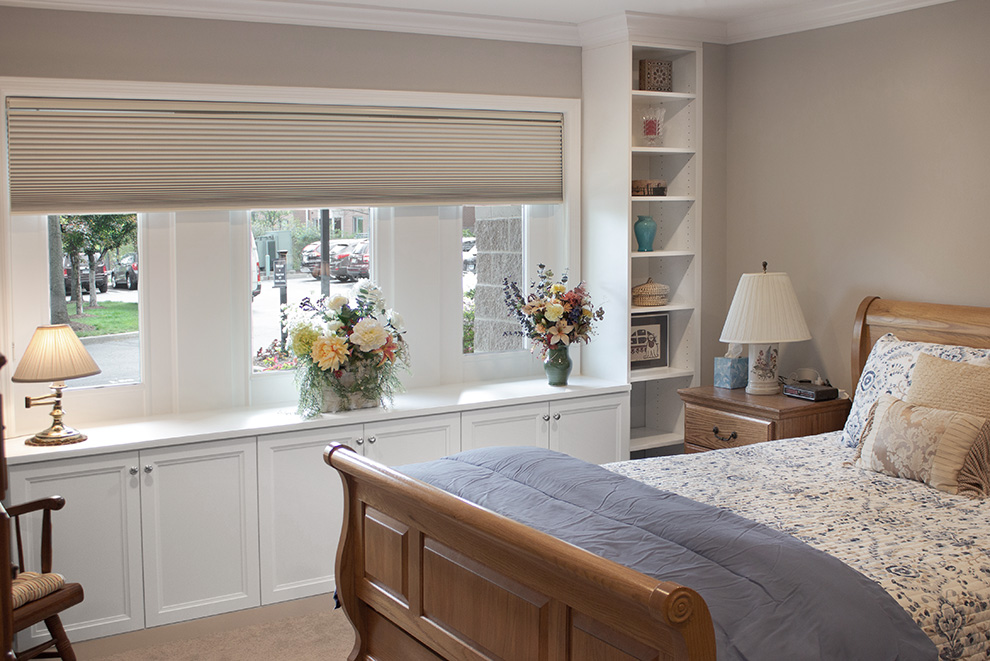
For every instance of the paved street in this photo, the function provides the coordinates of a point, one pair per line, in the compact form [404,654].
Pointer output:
[119,356]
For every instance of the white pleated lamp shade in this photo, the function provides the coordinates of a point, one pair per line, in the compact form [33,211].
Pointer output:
[54,354]
[765,310]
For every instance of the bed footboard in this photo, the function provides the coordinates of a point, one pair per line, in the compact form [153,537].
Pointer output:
[424,575]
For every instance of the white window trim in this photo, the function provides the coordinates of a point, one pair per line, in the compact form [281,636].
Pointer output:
[160,397]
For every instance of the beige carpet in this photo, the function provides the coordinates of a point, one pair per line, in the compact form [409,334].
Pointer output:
[324,635]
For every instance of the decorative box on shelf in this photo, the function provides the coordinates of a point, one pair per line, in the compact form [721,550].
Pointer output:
[731,372]
[649,187]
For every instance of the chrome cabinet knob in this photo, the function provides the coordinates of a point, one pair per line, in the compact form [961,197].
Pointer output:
[360,441]
[556,416]
[372,439]
[148,468]
[134,470]
[546,417]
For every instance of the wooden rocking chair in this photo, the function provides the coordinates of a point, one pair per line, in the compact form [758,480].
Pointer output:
[27,598]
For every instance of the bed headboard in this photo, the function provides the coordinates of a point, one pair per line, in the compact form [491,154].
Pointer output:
[924,322]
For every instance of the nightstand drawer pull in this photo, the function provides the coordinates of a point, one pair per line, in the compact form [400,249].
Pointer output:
[725,439]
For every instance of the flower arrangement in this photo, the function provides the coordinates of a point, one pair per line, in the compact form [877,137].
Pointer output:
[551,316]
[349,354]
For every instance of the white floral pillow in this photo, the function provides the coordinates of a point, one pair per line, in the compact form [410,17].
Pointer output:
[888,371]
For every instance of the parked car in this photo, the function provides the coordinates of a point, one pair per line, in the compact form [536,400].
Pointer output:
[469,250]
[339,261]
[101,273]
[359,263]
[255,269]
[311,254]
[125,272]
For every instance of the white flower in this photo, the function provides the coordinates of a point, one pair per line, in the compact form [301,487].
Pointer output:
[372,293]
[396,321]
[554,311]
[334,326]
[337,302]
[368,334]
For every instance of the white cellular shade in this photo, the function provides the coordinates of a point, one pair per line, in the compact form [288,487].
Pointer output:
[101,155]
[764,309]
[54,354]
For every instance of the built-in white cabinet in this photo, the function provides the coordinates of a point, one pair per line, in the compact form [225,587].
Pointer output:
[155,537]
[301,499]
[199,517]
[589,428]
[96,538]
[172,531]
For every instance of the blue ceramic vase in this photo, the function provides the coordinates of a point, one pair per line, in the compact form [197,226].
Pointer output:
[557,365]
[645,228]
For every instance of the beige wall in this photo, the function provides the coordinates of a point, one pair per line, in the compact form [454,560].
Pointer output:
[857,162]
[58,44]
[713,274]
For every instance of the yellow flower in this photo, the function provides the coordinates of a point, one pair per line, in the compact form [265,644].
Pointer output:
[558,288]
[554,311]
[330,352]
[302,337]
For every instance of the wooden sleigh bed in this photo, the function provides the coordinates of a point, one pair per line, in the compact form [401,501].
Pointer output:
[425,575]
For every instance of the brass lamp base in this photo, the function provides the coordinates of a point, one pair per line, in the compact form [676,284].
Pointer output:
[57,434]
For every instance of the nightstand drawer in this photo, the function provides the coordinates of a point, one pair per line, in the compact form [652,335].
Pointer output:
[701,423]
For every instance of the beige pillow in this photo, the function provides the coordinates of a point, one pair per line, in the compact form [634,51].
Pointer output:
[946,384]
[925,444]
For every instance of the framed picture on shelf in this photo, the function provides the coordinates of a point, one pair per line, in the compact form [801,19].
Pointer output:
[648,341]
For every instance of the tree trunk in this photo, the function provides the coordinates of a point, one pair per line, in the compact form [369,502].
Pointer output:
[91,257]
[76,283]
[56,276]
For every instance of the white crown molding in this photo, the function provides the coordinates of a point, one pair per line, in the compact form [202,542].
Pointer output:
[334,15]
[650,28]
[638,27]
[787,21]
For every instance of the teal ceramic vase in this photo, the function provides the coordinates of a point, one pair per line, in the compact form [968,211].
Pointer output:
[557,365]
[645,228]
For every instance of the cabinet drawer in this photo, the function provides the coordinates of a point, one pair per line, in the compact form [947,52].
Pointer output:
[700,423]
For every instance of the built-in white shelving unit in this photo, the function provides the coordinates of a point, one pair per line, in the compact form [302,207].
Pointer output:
[613,141]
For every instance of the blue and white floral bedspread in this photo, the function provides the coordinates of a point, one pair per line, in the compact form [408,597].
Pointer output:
[930,550]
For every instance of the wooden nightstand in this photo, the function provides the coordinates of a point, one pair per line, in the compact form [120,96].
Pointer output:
[716,418]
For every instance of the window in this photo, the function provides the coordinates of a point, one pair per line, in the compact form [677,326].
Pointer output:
[97,271]
[297,233]
[492,247]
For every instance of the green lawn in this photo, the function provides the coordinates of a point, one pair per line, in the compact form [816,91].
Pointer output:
[108,318]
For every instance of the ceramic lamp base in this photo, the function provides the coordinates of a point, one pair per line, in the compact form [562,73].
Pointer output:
[763,370]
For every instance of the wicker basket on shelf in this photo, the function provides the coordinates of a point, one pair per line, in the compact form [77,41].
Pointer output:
[650,294]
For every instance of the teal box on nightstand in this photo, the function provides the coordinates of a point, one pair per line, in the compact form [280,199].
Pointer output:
[731,372]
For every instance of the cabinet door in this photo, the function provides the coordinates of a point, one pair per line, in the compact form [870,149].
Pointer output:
[590,428]
[199,506]
[300,507]
[412,440]
[96,539]
[523,424]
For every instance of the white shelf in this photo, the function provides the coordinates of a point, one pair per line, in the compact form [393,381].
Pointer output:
[662,198]
[659,374]
[646,438]
[663,253]
[664,96]
[647,309]
[662,150]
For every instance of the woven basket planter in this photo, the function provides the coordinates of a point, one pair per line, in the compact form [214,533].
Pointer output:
[650,294]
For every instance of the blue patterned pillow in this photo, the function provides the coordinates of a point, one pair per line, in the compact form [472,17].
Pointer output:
[888,371]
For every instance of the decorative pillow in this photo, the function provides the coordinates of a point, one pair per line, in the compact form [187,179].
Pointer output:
[944,384]
[888,371]
[920,443]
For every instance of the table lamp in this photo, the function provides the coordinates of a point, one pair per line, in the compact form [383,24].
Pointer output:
[54,354]
[764,312]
